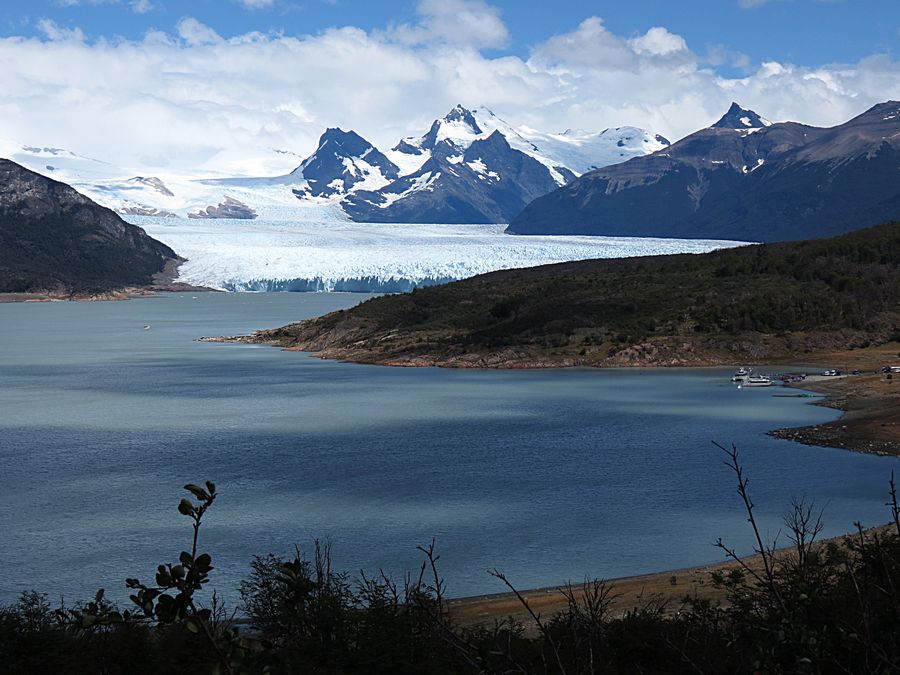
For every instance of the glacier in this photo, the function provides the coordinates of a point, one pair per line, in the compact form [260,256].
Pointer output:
[339,255]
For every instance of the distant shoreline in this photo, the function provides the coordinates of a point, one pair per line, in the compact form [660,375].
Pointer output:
[163,282]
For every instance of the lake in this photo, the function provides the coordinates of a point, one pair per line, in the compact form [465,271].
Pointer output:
[548,475]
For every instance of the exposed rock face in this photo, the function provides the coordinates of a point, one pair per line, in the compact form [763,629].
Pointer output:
[229,208]
[343,160]
[54,239]
[741,118]
[146,211]
[155,183]
[489,182]
[743,179]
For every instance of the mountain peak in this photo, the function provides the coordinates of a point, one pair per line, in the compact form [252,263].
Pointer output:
[741,118]
[343,160]
[883,112]
[463,117]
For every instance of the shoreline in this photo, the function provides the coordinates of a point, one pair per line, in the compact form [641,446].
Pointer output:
[668,586]
[163,282]
[870,402]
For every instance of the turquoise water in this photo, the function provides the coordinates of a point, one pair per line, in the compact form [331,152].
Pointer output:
[548,475]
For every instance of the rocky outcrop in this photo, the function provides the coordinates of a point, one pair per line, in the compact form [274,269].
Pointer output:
[146,211]
[53,239]
[228,208]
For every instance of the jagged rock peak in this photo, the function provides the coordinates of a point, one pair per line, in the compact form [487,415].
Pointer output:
[464,115]
[344,143]
[458,124]
[741,118]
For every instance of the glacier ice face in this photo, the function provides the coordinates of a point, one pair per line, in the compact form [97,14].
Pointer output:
[336,255]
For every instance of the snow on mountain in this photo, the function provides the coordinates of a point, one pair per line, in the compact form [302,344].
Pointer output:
[344,161]
[471,166]
[577,151]
[264,255]
[458,171]
[164,194]
[741,119]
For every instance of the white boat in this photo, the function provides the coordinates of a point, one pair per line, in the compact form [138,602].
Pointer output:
[741,374]
[758,381]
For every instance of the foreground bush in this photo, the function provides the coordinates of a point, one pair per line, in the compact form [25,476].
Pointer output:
[812,608]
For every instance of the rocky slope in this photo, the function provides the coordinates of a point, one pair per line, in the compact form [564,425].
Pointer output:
[53,239]
[743,178]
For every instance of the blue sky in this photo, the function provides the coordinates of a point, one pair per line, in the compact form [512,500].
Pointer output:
[803,32]
[217,84]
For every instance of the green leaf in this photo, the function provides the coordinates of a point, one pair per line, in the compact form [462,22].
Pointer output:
[185,558]
[197,491]
[185,507]
[211,487]
[192,626]
[203,561]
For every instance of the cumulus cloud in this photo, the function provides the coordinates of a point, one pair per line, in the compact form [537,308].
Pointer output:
[471,23]
[188,98]
[54,32]
[659,41]
[196,34]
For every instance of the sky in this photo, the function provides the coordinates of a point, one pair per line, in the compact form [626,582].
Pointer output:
[215,85]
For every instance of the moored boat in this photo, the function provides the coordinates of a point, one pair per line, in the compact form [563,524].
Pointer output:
[758,381]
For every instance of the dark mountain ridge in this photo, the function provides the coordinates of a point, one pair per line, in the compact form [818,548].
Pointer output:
[770,183]
[54,239]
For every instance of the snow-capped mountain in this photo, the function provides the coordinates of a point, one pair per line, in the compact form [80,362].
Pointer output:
[473,167]
[742,178]
[343,162]
[469,167]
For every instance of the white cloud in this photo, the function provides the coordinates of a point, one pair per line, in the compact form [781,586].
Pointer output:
[137,6]
[56,33]
[659,41]
[196,34]
[255,4]
[471,23]
[190,98]
[75,3]
[142,6]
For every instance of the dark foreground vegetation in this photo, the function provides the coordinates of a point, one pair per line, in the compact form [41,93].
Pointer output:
[811,608]
[752,302]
